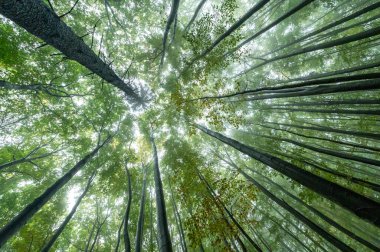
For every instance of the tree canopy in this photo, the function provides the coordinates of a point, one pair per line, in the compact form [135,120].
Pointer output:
[192,125]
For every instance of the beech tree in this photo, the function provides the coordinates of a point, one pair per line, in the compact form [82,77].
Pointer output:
[224,125]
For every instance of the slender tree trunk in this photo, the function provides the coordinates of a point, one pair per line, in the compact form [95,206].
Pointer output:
[297,87]
[368,112]
[333,240]
[234,27]
[172,16]
[140,223]
[151,223]
[58,232]
[329,26]
[28,212]
[363,207]
[271,25]
[178,220]
[197,10]
[212,193]
[127,242]
[374,136]
[90,237]
[323,139]
[333,102]
[38,19]
[119,235]
[341,41]
[325,151]
[164,242]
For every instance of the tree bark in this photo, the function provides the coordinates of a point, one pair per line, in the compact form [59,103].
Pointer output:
[127,242]
[28,212]
[119,235]
[363,207]
[38,19]
[164,242]
[58,232]
[140,223]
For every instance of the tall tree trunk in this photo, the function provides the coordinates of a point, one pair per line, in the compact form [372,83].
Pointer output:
[140,223]
[271,25]
[28,212]
[58,232]
[368,135]
[38,19]
[172,16]
[361,206]
[212,193]
[197,10]
[295,87]
[368,112]
[325,151]
[337,243]
[164,242]
[341,41]
[119,235]
[329,26]
[178,220]
[127,242]
[234,27]
[90,236]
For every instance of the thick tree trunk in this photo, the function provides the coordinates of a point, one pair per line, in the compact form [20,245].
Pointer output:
[58,232]
[337,243]
[140,223]
[212,193]
[28,212]
[197,10]
[127,242]
[271,25]
[38,19]
[164,242]
[361,206]
[329,26]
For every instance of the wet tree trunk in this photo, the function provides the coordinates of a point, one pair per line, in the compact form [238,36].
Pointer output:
[58,232]
[164,242]
[361,206]
[38,19]
[140,223]
[127,242]
[28,212]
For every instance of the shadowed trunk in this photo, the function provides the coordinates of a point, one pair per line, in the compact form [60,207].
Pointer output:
[140,223]
[38,19]
[361,206]
[28,212]
[127,242]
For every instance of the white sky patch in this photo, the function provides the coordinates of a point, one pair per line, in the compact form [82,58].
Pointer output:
[72,196]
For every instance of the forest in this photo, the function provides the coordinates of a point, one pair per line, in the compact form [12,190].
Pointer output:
[189,125]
